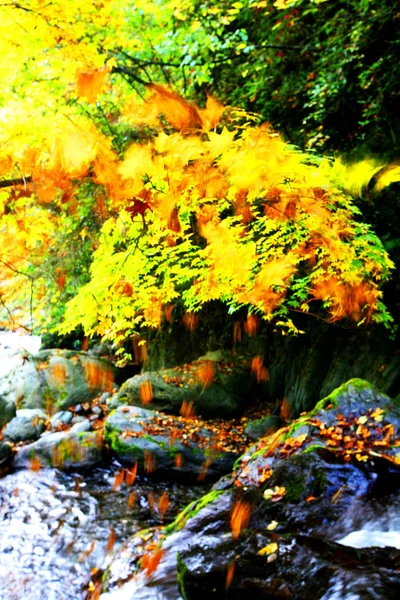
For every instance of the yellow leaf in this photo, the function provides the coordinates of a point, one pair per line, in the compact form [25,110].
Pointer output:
[219,143]
[210,115]
[273,525]
[270,549]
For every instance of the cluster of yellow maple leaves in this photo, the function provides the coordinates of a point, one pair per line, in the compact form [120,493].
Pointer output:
[207,206]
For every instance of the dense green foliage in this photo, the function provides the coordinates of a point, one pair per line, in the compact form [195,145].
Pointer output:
[325,73]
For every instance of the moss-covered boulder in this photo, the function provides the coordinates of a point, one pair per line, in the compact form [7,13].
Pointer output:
[264,426]
[166,444]
[7,409]
[219,384]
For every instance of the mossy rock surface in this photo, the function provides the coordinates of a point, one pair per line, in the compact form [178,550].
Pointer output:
[26,426]
[219,384]
[134,434]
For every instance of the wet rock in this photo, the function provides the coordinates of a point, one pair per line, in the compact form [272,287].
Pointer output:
[277,526]
[81,426]
[7,409]
[257,429]
[219,385]
[63,449]
[60,378]
[63,417]
[135,434]
[5,453]
[27,425]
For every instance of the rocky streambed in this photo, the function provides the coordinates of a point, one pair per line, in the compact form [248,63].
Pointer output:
[57,529]
[106,499]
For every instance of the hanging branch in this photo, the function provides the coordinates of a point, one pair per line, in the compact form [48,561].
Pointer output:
[18,181]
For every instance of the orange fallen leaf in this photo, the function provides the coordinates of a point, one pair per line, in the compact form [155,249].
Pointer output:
[118,480]
[190,321]
[34,463]
[260,370]
[187,409]
[205,372]
[150,562]
[111,540]
[229,575]
[237,331]
[163,504]
[285,411]
[204,469]
[149,462]
[240,517]
[146,392]
[131,474]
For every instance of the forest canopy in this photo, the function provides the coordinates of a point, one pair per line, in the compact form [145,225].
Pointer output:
[135,174]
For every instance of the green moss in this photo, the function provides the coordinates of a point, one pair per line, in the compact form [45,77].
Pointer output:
[112,436]
[191,511]
[313,448]
[181,570]
[295,487]
[358,384]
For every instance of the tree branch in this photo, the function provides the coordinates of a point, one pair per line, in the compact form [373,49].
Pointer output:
[128,73]
[19,181]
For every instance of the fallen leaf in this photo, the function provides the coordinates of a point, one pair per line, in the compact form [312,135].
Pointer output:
[240,517]
[150,562]
[146,392]
[111,540]
[229,575]
[270,549]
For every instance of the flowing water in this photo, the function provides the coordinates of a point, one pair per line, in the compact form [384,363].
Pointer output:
[55,528]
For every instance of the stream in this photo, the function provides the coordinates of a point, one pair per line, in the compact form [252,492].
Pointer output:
[55,528]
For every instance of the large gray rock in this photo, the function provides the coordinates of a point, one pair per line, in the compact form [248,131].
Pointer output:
[218,384]
[63,450]
[153,440]
[261,427]
[26,426]
[53,379]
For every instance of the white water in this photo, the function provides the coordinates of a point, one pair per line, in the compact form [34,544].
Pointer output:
[369,525]
[366,538]
[12,348]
